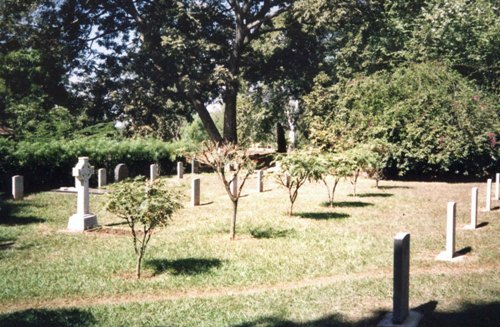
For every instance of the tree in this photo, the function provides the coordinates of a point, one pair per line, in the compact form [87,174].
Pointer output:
[228,161]
[144,206]
[295,170]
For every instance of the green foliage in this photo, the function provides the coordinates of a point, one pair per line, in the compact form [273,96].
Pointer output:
[48,163]
[144,206]
[435,121]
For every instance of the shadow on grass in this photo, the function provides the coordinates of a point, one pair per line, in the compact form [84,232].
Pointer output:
[321,215]
[48,318]
[188,266]
[374,195]
[483,224]
[389,187]
[12,214]
[478,315]
[347,204]
[463,251]
[269,232]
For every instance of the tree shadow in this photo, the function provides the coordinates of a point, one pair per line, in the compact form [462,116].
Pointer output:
[48,318]
[347,204]
[375,195]
[321,215]
[391,187]
[6,243]
[269,232]
[11,214]
[188,266]
[477,315]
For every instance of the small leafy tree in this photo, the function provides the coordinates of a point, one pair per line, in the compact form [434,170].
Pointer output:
[355,161]
[379,153]
[144,206]
[229,162]
[296,169]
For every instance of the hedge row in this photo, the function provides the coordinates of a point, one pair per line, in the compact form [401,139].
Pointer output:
[48,164]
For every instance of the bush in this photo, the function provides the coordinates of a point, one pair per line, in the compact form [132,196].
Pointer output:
[48,164]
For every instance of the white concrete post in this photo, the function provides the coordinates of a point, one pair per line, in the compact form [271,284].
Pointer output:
[449,253]
[180,170]
[17,187]
[195,192]
[153,172]
[260,182]
[497,186]
[473,209]
[488,195]
[101,178]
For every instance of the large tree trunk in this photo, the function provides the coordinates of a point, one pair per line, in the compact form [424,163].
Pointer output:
[230,101]
[207,120]
[280,135]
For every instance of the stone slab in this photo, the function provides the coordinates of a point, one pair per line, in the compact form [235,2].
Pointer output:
[77,223]
[444,256]
[412,320]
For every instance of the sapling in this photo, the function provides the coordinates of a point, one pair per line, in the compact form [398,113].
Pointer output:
[231,165]
[144,206]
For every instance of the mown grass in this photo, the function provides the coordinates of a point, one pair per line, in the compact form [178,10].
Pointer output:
[321,267]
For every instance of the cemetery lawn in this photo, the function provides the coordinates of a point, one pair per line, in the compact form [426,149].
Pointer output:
[321,267]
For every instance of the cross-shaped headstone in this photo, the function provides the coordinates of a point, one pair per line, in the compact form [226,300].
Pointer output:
[83,219]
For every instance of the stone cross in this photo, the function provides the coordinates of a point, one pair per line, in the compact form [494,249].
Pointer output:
[194,166]
[153,172]
[180,170]
[260,182]
[18,187]
[473,209]
[195,192]
[121,172]
[449,253]
[101,178]
[488,195]
[83,219]
[233,186]
[497,186]
[401,314]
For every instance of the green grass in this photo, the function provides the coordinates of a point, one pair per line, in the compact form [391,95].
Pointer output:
[321,267]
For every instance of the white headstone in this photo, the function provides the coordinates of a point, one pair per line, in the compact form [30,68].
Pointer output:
[497,186]
[194,166]
[195,192]
[260,182]
[180,170]
[153,172]
[101,178]
[17,187]
[449,253]
[488,195]
[121,172]
[473,209]
[83,219]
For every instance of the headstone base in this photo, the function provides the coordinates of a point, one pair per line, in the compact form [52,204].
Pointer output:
[77,223]
[444,256]
[411,321]
[470,227]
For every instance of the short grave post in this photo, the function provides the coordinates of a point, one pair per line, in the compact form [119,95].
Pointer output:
[497,186]
[234,185]
[180,170]
[18,187]
[473,209]
[83,219]
[449,253]
[121,172]
[101,178]
[488,195]
[195,192]
[401,314]
[153,172]
[194,166]
[260,182]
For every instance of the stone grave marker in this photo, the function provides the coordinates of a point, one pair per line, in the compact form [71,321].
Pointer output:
[401,314]
[82,219]
[17,187]
[233,186]
[153,172]
[101,178]
[180,170]
[488,195]
[121,172]
[260,182]
[449,253]
[473,209]
[497,186]
[194,166]
[195,192]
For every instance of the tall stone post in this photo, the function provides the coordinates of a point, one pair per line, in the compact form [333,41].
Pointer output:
[17,187]
[195,192]
[180,170]
[83,219]
[473,209]
[101,178]
[153,172]
[497,186]
[449,253]
[260,182]
[194,166]
[488,195]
